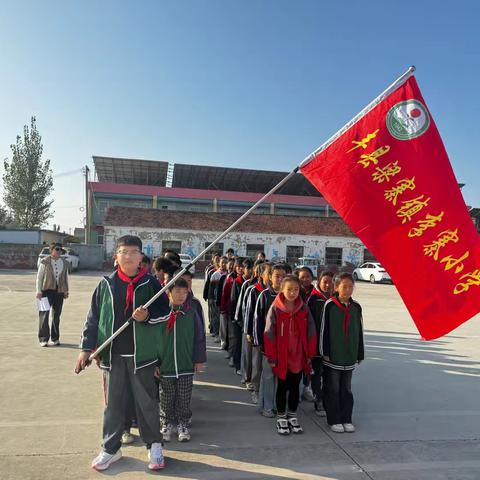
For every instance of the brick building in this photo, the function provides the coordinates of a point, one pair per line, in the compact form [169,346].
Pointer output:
[184,207]
[327,239]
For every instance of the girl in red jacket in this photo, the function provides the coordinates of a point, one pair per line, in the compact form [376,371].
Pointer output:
[290,343]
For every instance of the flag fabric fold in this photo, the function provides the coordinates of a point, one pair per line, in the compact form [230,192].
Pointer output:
[389,177]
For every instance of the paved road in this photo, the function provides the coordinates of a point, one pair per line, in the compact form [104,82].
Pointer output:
[417,405]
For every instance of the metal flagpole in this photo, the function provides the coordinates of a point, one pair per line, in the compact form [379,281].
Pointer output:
[309,158]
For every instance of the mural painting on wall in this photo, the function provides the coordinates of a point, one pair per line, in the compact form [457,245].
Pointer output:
[354,255]
[148,250]
[316,255]
[144,235]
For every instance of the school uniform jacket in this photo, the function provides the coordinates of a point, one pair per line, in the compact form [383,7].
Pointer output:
[196,305]
[265,300]
[183,345]
[315,303]
[208,273]
[219,290]
[250,302]
[280,325]
[240,302]
[99,324]
[227,290]
[212,288]
[341,338]
[237,285]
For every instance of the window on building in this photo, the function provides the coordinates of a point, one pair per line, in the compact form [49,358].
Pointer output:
[175,245]
[217,249]
[253,249]
[229,208]
[294,252]
[101,205]
[333,256]
[367,256]
[319,211]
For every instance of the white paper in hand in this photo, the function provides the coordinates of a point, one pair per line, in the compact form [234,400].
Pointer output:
[43,304]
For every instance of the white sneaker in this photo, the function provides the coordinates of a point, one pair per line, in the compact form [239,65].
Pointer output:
[319,410]
[255,398]
[55,343]
[349,427]
[155,457]
[308,394]
[127,438]
[337,428]
[166,432]
[294,425]
[267,414]
[44,344]
[183,434]
[104,460]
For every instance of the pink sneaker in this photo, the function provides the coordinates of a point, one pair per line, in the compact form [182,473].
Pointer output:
[155,456]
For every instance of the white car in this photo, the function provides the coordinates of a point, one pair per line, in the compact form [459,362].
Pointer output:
[186,260]
[371,272]
[69,255]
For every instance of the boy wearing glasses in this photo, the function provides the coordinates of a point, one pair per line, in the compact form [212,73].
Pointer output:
[52,282]
[129,361]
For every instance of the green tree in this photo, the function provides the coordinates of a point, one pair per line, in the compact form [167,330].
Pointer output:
[28,180]
[4,217]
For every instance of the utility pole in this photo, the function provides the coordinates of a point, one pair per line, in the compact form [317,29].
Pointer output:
[87,205]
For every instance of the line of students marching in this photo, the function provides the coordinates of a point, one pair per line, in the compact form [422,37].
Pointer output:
[283,335]
[278,332]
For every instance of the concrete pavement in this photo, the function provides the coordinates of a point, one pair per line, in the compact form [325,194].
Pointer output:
[417,407]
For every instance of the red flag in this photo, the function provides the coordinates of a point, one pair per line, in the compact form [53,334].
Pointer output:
[389,178]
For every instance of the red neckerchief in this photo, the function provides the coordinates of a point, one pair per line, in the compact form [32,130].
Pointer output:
[173,317]
[280,303]
[131,285]
[346,314]
[259,287]
[323,295]
[318,293]
[239,279]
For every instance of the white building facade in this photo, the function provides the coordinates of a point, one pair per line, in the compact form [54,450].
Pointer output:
[329,250]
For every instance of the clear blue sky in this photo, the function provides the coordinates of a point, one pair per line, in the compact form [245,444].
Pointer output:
[251,83]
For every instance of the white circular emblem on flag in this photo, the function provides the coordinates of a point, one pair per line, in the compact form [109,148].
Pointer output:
[408,119]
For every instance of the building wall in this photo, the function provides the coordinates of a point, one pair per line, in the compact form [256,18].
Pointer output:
[49,237]
[106,195]
[275,245]
[31,236]
[20,236]
[13,255]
